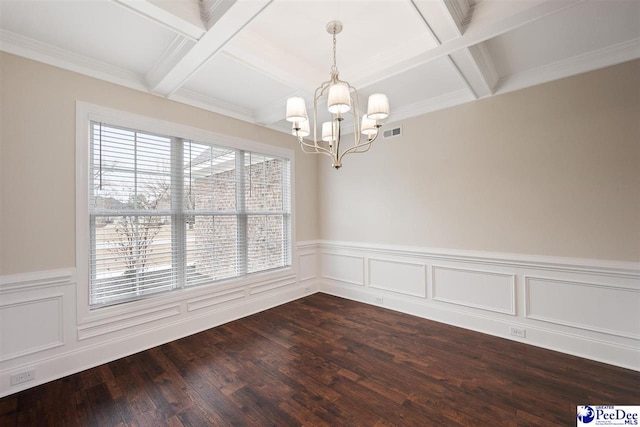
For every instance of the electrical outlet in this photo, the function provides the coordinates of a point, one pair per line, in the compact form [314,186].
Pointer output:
[23,377]
[379,300]
[518,332]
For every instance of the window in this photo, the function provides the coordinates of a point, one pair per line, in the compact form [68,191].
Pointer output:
[166,212]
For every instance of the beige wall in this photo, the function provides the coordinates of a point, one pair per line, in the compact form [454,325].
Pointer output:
[550,170]
[37,155]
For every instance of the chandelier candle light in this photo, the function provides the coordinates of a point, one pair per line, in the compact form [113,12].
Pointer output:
[341,98]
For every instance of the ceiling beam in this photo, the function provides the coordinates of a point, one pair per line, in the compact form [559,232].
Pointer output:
[476,68]
[171,56]
[490,19]
[224,29]
[212,10]
[472,64]
[444,19]
[460,13]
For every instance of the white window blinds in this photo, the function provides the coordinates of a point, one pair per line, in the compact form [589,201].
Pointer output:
[168,213]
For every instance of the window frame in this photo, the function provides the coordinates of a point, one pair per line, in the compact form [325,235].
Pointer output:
[87,113]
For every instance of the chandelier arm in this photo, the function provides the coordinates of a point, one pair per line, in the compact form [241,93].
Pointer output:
[317,152]
[325,152]
[315,147]
[316,96]
[366,146]
[355,150]
[338,138]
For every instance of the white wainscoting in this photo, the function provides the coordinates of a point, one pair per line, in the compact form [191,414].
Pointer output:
[406,278]
[485,290]
[40,330]
[215,299]
[36,311]
[344,268]
[127,322]
[588,308]
[583,307]
[307,266]
[32,336]
[573,304]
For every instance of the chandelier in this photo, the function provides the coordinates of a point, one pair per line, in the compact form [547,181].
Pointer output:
[341,98]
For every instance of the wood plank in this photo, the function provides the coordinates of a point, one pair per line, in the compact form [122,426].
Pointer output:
[326,361]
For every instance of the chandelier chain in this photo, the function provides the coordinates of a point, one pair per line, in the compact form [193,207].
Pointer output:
[334,67]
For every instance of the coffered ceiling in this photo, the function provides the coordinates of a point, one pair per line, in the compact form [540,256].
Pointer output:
[244,58]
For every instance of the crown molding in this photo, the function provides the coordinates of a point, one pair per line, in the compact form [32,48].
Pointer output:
[451,99]
[43,52]
[605,57]
[208,103]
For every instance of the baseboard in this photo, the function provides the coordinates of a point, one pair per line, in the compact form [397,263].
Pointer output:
[102,351]
[601,351]
[587,308]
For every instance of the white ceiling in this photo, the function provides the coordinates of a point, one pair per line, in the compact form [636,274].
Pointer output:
[243,58]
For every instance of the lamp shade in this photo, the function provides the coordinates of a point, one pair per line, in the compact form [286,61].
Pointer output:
[327,135]
[368,126]
[339,98]
[378,108]
[296,110]
[303,128]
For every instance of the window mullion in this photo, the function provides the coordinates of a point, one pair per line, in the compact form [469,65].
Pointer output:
[178,223]
[136,230]
[286,208]
[242,262]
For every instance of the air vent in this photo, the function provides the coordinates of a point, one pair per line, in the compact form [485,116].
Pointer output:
[392,133]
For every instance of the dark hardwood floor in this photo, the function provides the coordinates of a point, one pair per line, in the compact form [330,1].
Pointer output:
[327,361]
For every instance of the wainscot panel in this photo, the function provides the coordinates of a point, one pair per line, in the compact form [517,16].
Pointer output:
[34,313]
[343,268]
[120,323]
[485,290]
[22,330]
[398,276]
[574,304]
[588,308]
[214,300]
[307,266]
[271,285]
